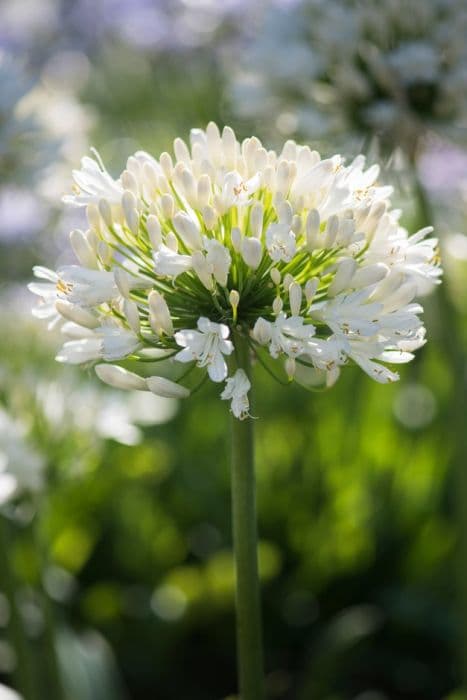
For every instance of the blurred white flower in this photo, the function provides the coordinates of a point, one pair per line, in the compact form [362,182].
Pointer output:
[21,467]
[347,70]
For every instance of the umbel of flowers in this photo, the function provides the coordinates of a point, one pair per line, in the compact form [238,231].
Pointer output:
[186,256]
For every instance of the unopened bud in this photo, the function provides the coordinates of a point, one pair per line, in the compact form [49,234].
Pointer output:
[105,212]
[313,238]
[122,282]
[82,249]
[236,239]
[310,289]
[166,388]
[277,305]
[275,276]
[290,367]
[262,331]
[154,231]
[130,309]
[76,314]
[256,220]
[252,252]
[295,298]
[120,378]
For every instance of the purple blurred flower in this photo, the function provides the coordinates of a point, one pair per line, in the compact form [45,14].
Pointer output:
[443,167]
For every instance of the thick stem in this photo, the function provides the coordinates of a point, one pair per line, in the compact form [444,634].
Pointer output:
[24,677]
[249,636]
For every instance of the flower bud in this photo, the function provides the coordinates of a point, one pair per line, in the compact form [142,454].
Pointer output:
[275,276]
[209,217]
[166,388]
[188,231]
[290,367]
[204,191]
[82,249]
[234,299]
[120,378]
[332,227]
[345,270]
[105,212]
[277,305]
[154,231]
[129,181]
[171,241]
[236,239]
[189,187]
[76,314]
[181,151]
[312,228]
[122,281]
[310,289]
[130,309]
[159,314]
[166,164]
[262,331]
[256,220]
[371,274]
[104,252]
[252,252]
[93,216]
[288,280]
[167,206]
[295,298]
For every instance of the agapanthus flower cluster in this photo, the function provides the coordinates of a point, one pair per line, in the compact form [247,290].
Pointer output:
[344,68]
[227,243]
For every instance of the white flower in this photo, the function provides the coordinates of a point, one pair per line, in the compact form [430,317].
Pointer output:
[107,343]
[343,70]
[93,183]
[236,390]
[219,260]
[280,242]
[77,285]
[349,313]
[285,335]
[236,191]
[21,467]
[206,347]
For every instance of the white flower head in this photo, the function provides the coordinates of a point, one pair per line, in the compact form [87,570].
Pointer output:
[291,255]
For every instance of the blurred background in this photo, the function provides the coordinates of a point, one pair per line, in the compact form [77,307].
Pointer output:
[116,576]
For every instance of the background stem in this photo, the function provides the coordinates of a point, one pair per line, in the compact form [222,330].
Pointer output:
[248,606]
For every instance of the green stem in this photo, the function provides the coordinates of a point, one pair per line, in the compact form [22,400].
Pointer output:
[24,676]
[248,606]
